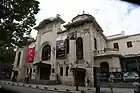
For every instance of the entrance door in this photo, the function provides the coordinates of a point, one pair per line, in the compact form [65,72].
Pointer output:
[79,76]
[16,73]
[45,72]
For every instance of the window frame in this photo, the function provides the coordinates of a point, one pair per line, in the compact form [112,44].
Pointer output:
[129,44]
[116,44]
[46,55]
[79,48]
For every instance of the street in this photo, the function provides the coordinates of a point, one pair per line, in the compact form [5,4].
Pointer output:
[62,88]
[26,90]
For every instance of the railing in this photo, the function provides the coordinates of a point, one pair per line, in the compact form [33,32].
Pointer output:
[106,51]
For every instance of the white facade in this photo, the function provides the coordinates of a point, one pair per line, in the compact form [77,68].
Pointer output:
[122,42]
[19,64]
[96,49]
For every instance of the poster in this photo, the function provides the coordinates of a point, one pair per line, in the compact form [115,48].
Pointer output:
[60,49]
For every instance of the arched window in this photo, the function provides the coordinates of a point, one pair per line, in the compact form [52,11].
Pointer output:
[61,71]
[46,52]
[67,71]
[104,66]
[79,48]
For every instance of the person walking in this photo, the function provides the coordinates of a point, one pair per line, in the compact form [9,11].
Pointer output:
[27,81]
[88,81]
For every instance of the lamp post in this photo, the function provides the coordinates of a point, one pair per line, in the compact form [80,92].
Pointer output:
[137,65]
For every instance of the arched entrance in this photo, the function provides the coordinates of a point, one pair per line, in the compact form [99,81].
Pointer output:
[104,66]
[79,76]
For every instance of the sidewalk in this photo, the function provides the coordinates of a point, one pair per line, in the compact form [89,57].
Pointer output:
[63,88]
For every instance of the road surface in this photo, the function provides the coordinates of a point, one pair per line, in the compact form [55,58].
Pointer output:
[27,90]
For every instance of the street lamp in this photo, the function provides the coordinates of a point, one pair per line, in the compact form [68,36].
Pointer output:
[137,64]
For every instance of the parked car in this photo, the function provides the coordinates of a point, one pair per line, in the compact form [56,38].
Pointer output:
[130,76]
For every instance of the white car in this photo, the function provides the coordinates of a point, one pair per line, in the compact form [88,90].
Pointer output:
[130,76]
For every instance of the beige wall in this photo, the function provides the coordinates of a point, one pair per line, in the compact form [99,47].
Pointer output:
[21,67]
[113,62]
[47,35]
[123,45]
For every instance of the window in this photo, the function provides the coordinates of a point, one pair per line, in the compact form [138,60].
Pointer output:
[67,46]
[79,48]
[67,71]
[116,45]
[53,70]
[46,52]
[33,70]
[18,61]
[61,71]
[129,44]
[95,43]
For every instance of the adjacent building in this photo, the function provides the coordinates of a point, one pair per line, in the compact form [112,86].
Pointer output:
[69,55]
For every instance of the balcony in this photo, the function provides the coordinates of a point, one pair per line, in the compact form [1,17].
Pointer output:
[107,52]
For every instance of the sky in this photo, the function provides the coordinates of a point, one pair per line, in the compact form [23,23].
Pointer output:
[113,16]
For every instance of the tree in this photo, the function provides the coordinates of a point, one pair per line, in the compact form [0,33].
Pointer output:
[17,19]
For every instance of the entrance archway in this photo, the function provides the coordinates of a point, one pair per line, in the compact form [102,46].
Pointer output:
[45,71]
[104,66]
[79,76]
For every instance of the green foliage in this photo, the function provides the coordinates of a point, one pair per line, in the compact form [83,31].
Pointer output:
[7,55]
[17,17]
[16,20]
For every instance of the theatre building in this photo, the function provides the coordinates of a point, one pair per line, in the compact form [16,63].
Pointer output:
[69,55]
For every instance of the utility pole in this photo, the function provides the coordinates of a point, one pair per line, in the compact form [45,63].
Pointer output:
[137,65]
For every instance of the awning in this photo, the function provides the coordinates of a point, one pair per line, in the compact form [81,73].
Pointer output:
[78,69]
[35,62]
[41,63]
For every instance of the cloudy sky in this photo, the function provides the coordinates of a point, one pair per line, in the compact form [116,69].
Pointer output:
[113,16]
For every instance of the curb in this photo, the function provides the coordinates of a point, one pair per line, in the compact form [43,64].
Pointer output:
[42,88]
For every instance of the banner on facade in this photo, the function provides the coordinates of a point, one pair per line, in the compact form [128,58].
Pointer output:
[30,53]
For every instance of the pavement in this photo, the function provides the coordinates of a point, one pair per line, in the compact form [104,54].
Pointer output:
[22,87]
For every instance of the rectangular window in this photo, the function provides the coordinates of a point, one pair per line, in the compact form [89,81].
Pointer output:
[61,71]
[129,44]
[18,60]
[116,45]
[53,70]
[33,70]
[95,43]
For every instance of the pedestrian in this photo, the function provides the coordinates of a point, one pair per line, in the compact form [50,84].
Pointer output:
[27,81]
[13,78]
[88,81]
